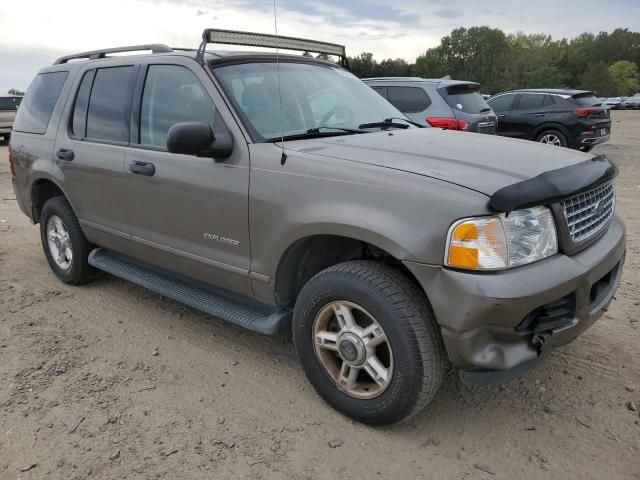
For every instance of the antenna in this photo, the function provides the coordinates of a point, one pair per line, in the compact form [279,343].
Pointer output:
[283,157]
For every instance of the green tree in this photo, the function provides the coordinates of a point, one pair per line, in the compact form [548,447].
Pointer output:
[625,74]
[431,64]
[15,91]
[598,79]
[363,65]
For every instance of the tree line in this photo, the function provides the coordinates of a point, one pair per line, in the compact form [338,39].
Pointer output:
[606,63]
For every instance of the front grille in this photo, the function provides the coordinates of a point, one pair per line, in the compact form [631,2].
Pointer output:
[588,213]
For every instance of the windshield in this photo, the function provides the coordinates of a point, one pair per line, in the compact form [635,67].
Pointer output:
[312,96]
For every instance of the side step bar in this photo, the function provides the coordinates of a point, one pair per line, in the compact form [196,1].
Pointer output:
[218,303]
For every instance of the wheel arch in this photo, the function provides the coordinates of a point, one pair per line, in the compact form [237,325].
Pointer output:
[551,126]
[42,189]
[311,254]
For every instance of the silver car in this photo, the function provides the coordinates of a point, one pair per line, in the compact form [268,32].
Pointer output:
[441,103]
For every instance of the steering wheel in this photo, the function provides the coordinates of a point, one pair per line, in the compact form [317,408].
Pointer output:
[334,111]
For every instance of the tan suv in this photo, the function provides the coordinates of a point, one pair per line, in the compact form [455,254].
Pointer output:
[8,108]
[386,249]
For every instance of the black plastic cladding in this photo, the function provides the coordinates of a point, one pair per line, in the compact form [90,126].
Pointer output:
[554,185]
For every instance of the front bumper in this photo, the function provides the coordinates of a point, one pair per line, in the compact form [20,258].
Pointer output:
[481,314]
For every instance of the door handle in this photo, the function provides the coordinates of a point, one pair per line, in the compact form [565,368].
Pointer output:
[539,114]
[501,115]
[65,154]
[142,168]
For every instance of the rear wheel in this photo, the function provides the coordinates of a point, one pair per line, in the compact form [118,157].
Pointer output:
[368,342]
[553,137]
[65,246]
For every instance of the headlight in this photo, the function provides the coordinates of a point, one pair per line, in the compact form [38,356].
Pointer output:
[502,241]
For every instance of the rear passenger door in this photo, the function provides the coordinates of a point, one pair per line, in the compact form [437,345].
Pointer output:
[90,150]
[531,110]
[188,214]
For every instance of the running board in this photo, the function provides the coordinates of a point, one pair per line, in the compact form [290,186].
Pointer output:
[227,306]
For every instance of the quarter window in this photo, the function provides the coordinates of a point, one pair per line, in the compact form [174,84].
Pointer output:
[408,99]
[36,109]
[79,121]
[109,109]
[172,94]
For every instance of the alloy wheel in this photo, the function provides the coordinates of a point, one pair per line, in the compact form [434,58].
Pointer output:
[353,349]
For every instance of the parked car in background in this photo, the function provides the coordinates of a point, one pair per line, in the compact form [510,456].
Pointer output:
[8,108]
[565,118]
[442,103]
[614,103]
[631,103]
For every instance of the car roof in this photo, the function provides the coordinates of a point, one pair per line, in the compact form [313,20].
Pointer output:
[211,57]
[554,91]
[438,81]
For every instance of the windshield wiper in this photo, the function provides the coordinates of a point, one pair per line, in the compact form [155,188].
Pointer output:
[389,123]
[315,133]
[327,127]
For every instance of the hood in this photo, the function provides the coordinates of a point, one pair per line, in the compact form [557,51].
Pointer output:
[484,163]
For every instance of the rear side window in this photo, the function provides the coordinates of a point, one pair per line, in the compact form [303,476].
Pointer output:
[36,109]
[465,99]
[502,103]
[9,103]
[172,94]
[532,101]
[408,99]
[109,110]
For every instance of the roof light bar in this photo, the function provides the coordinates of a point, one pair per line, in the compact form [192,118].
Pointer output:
[234,37]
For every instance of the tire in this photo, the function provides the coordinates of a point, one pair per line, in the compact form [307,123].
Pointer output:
[78,270]
[547,136]
[415,358]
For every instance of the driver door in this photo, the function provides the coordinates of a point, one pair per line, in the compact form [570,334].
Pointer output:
[187,214]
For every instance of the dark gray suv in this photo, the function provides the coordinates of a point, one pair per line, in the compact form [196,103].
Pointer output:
[385,249]
[442,103]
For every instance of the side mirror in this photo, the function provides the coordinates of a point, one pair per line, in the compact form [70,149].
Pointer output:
[189,138]
[196,138]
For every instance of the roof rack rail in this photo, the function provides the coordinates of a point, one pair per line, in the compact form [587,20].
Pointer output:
[95,54]
[235,37]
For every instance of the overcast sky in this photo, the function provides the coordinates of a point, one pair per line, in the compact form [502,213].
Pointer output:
[35,32]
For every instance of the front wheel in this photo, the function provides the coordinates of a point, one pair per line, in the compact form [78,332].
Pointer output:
[368,342]
[553,137]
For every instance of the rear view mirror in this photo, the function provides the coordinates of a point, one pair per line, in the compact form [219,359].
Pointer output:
[196,138]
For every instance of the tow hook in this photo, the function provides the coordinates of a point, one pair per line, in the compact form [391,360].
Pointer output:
[539,339]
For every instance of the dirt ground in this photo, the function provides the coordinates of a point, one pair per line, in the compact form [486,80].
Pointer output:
[111,381]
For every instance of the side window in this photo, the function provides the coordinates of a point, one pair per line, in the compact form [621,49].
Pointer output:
[548,101]
[109,110]
[502,103]
[408,99]
[172,94]
[530,101]
[381,90]
[36,109]
[79,119]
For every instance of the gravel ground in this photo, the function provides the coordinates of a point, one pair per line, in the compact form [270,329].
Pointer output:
[111,381]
